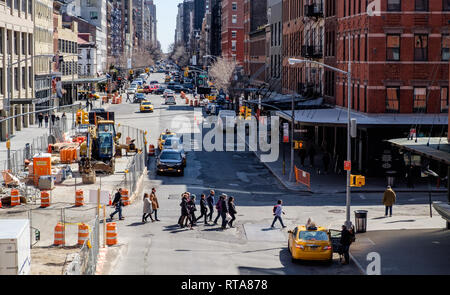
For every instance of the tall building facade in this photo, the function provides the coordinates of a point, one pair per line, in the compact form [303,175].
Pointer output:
[274,43]
[215,27]
[16,62]
[43,45]
[232,38]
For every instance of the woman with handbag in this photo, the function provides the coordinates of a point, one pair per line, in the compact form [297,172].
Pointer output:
[147,209]
[232,211]
[155,204]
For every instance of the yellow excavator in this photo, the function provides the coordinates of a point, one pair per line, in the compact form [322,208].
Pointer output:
[97,153]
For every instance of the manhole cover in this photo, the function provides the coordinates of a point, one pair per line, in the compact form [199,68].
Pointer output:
[336,211]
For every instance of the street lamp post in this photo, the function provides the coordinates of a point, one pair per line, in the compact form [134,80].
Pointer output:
[292,61]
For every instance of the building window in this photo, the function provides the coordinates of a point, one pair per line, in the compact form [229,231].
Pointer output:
[234,5]
[420,99]
[30,44]
[233,45]
[445,47]
[2,91]
[233,34]
[394,5]
[444,99]
[234,19]
[24,5]
[30,76]
[393,47]
[1,41]
[24,38]
[16,43]
[446,5]
[93,15]
[421,5]
[24,85]
[420,47]
[392,99]
[30,7]
[16,78]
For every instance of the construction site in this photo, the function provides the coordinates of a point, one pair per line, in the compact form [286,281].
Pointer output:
[59,189]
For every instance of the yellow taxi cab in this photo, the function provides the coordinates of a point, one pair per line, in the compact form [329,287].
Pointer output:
[146,106]
[163,138]
[167,79]
[312,243]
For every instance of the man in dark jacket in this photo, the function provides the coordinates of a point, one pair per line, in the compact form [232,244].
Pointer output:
[346,240]
[232,211]
[224,211]
[210,201]
[40,118]
[117,203]
[203,209]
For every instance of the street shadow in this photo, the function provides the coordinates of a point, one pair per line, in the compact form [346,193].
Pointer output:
[213,229]
[406,220]
[377,218]
[269,229]
[136,223]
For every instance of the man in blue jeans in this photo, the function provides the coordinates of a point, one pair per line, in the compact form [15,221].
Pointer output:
[117,203]
[277,211]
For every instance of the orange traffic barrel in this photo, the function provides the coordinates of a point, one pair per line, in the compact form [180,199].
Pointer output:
[83,233]
[45,199]
[187,100]
[79,198]
[59,234]
[15,198]
[151,150]
[111,233]
[125,197]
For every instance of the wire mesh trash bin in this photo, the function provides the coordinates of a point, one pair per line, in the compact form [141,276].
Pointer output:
[361,221]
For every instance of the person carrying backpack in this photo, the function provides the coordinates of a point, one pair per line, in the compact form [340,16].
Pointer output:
[277,211]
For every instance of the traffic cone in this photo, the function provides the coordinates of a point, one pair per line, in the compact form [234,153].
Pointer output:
[110,203]
[0,202]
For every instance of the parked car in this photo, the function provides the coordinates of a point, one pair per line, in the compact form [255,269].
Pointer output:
[170,99]
[159,90]
[310,244]
[170,160]
[227,120]
[168,92]
[154,82]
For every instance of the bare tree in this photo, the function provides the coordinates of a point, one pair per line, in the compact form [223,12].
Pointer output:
[221,72]
[179,55]
[142,57]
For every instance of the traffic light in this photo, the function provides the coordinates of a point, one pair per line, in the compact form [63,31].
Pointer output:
[298,144]
[85,118]
[357,180]
[186,72]
[248,113]
[78,117]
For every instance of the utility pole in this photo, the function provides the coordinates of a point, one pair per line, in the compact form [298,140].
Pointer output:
[348,222]
[291,172]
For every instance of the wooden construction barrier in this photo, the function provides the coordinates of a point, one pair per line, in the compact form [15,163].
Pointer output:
[45,199]
[111,234]
[15,198]
[59,234]
[79,198]
[83,233]
[125,195]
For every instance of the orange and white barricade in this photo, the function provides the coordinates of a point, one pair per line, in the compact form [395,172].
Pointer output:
[45,199]
[83,233]
[125,195]
[111,233]
[79,198]
[59,234]
[151,150]
[15,198]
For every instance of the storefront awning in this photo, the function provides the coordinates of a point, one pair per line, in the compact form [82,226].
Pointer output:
[436,148]
[338,116]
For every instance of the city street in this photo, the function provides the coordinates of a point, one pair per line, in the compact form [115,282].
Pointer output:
[250,248]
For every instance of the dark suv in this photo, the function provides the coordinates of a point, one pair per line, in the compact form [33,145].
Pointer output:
[170,160]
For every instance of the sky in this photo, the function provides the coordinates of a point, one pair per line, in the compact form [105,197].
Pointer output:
[166,15]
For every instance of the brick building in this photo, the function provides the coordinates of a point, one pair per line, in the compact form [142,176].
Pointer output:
[399,82]
[233,30]
[255,21]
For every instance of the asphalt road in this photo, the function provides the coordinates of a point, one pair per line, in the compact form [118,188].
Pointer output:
[250,248]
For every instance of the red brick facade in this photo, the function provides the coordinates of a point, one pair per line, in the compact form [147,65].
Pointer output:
[233,33]
[407,77]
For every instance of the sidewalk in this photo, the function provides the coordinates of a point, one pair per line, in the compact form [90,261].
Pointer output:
[332,183]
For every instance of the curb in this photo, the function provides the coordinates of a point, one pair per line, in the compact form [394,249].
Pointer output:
[139,186]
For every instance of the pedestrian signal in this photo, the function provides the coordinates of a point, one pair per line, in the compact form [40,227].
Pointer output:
[79,117]
[357,180]
[298,144]
[248,113]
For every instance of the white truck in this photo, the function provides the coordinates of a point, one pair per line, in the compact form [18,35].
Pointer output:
[15,252]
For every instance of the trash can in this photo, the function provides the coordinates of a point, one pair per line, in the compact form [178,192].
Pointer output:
[361,221]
